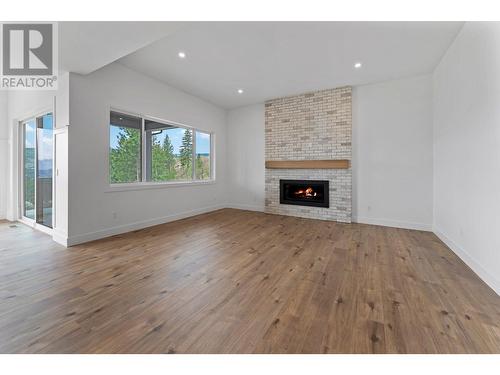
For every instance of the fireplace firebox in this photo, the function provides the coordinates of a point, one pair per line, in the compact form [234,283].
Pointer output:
[305,193]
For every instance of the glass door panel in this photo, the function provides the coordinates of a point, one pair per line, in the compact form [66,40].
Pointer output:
[29,173]
[45,149]
[38,145]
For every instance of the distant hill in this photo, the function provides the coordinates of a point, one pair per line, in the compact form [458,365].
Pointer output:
[44,166]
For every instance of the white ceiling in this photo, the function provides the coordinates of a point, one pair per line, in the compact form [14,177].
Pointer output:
[88,46]
[274,59]
[268,59]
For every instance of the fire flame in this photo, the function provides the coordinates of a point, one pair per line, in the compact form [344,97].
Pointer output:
[309,192]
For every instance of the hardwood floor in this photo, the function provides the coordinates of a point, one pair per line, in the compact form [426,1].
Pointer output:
[243,282]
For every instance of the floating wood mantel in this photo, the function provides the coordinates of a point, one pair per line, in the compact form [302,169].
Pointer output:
[308,164]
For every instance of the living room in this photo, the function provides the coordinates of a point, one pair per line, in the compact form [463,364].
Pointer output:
[258,187]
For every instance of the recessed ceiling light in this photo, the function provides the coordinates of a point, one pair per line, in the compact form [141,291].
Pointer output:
[182,55]
[357,65]
[240,91]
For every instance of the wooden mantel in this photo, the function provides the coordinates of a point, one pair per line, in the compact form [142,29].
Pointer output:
[308,164]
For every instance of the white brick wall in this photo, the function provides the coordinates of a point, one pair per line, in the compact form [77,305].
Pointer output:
[312,126]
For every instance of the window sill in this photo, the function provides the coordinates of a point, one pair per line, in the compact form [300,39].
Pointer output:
[155,185]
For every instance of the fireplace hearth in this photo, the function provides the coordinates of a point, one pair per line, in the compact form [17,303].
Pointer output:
[305,193]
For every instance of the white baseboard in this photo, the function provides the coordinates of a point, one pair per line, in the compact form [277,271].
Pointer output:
[246,207]
[393,223]
[60,238]
[87,237]
[478,269]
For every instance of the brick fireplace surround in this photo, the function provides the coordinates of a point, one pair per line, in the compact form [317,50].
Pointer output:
[312,126]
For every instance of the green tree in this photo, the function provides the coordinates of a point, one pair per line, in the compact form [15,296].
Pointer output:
[168,149]
[163,160]
[29,182]
[202,167]
[125,159]
[186,155]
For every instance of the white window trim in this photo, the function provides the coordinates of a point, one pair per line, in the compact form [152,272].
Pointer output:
[143,184]
[155,185]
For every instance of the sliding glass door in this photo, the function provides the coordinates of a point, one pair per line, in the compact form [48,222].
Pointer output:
[38,147]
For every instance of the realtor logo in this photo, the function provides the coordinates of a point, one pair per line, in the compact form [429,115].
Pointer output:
[29,59]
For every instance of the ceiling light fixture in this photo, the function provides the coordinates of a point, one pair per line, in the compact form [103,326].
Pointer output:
[240,91]
[357,65]
[182,55]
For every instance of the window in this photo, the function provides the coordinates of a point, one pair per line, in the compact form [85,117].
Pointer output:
[170,153]
[124,148]
[29,168]
[202,164]
[45,146]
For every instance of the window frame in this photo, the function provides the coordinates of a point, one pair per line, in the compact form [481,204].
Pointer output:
[143,183]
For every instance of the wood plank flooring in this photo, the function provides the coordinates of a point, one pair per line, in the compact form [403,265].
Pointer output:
[236,281]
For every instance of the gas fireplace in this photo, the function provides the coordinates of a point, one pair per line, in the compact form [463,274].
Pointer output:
[305,192]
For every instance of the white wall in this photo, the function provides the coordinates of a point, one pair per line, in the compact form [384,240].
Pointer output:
[467,149]
[245,153]
[92,207]
[392,153]
[4,154]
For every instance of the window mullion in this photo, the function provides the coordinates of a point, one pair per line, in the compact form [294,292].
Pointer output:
[143,151]
[193,161]
[212,157]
